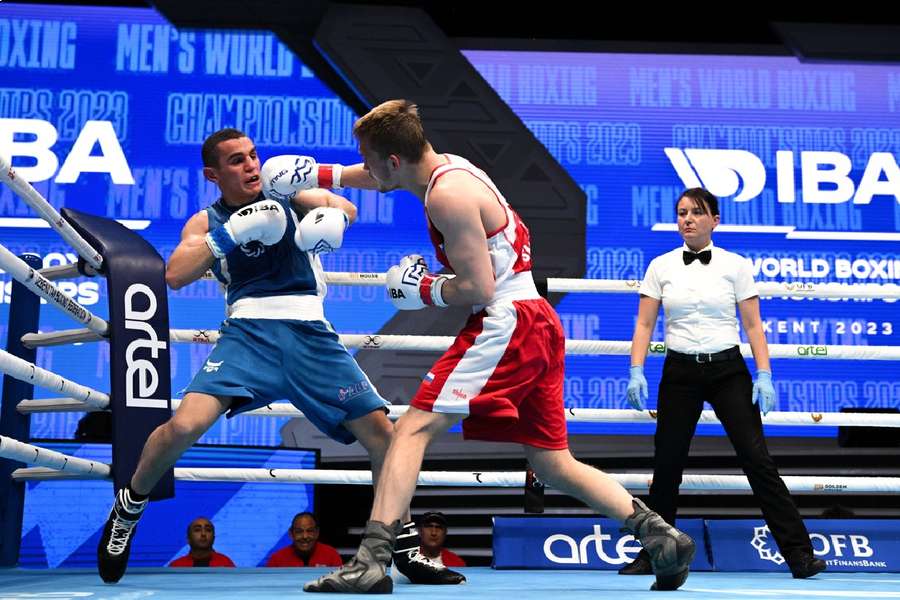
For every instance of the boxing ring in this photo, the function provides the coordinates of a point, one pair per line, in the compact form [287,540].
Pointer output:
[43,464]
[483,584]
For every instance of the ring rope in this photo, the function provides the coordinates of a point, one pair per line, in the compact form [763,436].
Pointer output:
[799,290]
[51,459]
[29,454]
[440,343]
[573,415]
[29,372]
[66,272]
[47,290]
[40,205]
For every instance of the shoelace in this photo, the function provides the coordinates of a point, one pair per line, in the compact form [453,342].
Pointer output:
[122,527]
[120,534]
[417,557]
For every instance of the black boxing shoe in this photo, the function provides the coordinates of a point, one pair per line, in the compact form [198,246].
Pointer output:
[418,568]
[804,565]
[639,566]
[670,550]
[115,543]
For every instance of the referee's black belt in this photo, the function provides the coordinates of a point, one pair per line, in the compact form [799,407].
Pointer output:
[704,357]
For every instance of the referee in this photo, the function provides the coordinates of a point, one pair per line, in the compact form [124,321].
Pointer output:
[699,286]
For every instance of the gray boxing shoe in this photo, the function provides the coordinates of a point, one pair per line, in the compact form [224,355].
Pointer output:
[671,551]
[365,573]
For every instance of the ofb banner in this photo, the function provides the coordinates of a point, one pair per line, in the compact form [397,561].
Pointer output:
[846,545]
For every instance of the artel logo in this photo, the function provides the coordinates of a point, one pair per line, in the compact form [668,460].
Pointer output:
[824,176]
[566,550]
[141,376]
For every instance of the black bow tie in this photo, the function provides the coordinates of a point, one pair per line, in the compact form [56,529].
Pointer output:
[704,257]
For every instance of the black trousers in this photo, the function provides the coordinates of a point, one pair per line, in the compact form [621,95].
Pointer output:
[727,386]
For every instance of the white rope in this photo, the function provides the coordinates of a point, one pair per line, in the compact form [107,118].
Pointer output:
[31,373]
[361,279]
[573,415]
[798,290]
[437,343]
[40,205]
[45,474]
[66,272]
[634,481]
[59,338]
[46,289]
[42,457]
[87,469]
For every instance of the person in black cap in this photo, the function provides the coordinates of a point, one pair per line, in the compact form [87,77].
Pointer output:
[432,535]
[699,286]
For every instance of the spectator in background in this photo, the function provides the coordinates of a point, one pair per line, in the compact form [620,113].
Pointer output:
[306,549]
[432,536]
[201,534]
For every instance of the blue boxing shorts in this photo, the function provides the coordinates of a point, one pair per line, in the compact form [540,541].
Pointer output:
[258,361]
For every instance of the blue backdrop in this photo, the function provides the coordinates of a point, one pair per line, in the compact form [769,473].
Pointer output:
[63,520]
[805,161]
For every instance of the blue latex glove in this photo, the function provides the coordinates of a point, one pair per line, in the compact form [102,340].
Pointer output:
[637,389]
[764,392]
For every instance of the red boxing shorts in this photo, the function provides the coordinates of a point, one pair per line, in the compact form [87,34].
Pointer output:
[505,371]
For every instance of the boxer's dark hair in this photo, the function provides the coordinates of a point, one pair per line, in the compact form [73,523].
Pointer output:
[210,152]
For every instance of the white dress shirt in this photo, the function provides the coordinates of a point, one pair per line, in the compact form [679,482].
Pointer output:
[700,300]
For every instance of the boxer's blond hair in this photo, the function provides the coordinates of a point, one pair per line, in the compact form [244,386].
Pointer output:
[393,127]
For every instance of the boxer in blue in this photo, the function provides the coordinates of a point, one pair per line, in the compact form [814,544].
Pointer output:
[275,342]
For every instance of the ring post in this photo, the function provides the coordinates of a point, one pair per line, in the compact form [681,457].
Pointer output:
[140,382]
[24,310]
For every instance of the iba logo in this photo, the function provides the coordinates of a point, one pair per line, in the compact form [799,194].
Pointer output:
[824,176]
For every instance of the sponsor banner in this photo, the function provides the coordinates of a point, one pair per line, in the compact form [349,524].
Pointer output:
[565,543]
[846,545]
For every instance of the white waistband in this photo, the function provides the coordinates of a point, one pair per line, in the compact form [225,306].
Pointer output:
[519,286]
[297,307]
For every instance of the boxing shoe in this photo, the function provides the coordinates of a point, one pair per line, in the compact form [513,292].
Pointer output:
[365,573]
[115,543]
[409,562]
[639,566]
[670,550]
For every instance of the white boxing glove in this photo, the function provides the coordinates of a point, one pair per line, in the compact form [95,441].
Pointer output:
[321,230]
[262,221]
[283,176]
[412,287]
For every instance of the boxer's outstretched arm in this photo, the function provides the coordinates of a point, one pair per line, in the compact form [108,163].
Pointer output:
[356,176]
[310,199]
[455,211]
[192,257]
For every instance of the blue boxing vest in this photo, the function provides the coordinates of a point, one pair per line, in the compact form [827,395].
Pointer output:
[255,270]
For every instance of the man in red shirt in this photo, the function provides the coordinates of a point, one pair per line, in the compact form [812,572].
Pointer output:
[306,550]
[201,534]
[432,535]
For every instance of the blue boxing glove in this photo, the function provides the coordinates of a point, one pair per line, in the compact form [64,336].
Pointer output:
[637,388]
[764,392]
